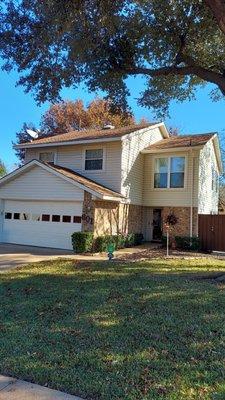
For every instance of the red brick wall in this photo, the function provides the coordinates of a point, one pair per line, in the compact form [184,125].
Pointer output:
[182,228]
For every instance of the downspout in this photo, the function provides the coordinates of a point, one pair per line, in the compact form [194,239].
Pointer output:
[191,193]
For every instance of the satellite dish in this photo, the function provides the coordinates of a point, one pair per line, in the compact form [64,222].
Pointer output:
[33,134]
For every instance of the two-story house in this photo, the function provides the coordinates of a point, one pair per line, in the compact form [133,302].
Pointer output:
[109,181]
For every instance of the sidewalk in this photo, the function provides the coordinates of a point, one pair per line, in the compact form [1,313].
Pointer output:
[14,389]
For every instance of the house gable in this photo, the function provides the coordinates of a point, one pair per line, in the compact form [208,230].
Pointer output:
[36,183]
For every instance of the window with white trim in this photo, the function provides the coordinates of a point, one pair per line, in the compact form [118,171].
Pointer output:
[169,172]
[94,160]
[47,156]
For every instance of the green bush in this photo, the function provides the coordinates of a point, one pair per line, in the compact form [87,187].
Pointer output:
[138,238]
[101,243]
[120,241]
[82,242]
[187,243]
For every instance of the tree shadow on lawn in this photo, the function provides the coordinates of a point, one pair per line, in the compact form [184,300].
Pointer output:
[118,332]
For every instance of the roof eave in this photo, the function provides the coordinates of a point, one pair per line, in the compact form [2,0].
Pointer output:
[172,149]
[66,143]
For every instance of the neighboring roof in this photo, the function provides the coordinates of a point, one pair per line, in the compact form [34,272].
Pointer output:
[82,182]
[182,141]
[89,183]
[92,134]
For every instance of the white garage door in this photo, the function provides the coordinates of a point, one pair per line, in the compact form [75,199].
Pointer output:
[39,223]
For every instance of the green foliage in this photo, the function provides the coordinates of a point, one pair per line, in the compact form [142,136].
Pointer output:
[100,243]
[101,43]
[82,242]
[187,243]
[3,170]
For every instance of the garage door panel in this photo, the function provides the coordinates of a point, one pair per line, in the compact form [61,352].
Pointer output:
[38,232]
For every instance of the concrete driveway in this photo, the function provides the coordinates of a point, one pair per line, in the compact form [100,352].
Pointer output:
[13,255]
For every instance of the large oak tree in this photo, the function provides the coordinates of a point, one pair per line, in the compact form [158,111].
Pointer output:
[177,45]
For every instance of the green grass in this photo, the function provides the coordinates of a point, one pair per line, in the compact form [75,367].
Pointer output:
[152,330]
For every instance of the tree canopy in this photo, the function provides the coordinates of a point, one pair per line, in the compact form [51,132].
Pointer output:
[70,115]
[177,45]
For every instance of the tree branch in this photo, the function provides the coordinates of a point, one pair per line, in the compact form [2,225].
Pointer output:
[205,74]
[218,9]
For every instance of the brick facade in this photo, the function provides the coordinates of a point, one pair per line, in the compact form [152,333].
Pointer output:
[88,213]
[111,218]
[182,227]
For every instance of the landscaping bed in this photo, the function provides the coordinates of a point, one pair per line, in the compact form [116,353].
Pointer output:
[143,330]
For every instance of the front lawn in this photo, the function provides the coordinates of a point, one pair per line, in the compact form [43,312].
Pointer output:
[152,330]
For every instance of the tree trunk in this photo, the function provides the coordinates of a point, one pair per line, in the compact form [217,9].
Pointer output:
[218,9]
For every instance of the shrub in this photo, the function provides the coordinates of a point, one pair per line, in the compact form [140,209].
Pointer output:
[138,238]
[82,242]
[120,241]
[101,243]
[187,243]
[164,241]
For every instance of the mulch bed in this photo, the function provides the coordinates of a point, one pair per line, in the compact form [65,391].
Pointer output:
[161,253]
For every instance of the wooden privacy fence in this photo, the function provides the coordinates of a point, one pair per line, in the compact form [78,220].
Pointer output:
[211,229]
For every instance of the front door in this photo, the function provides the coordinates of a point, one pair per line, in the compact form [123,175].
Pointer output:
[157,224]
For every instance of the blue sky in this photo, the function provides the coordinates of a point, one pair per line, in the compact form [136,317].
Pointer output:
[16,107]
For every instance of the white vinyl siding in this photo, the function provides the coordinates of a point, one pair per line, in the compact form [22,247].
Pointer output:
[177,197]
[39,184]
[133,162]
[73,157]
[208,197]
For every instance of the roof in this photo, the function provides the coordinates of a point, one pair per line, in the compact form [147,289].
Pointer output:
[89,183]
[67,174]
[182,141]
[91,134]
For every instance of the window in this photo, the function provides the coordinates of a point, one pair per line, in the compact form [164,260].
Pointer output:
[94,159]
[8,215]
[66,218]
[169,172]
[77,220]
[47,157]
[16,216]
[56,218]
[177,165]
[25,216]
[45,217]
[161,173]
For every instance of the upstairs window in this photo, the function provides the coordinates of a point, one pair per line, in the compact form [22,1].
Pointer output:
[169,172]
[47,157]
[94,160]
[177,166]
[161,173]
